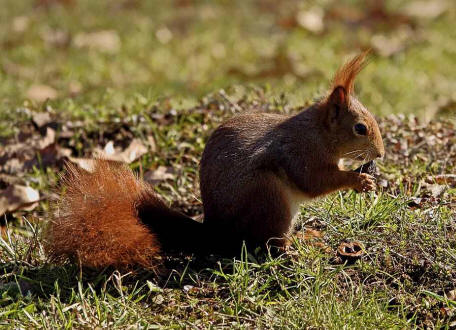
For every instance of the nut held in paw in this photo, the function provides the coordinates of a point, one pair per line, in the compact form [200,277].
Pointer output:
[369,168]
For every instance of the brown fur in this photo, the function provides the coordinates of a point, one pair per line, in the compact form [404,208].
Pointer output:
[346,74]
[255,171]
[108,217]
[96,223]
[256,167]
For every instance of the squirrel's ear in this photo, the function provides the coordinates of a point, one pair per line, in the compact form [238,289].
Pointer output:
[337,102]
[338,96]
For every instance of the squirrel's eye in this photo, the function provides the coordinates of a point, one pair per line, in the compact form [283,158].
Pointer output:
[360,129]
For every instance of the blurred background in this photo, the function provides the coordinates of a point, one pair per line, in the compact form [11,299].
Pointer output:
[84,57]
[146,82]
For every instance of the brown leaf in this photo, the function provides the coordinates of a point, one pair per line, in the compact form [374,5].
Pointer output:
[160,174]
[133,152]
[443,179]
[41,93]
[164,35]
[20,23]
[47,140]
[152,144]
[311,19]
[426,8]
[57,38]
[49,3]
[49,156]
[312,233]
[6,180]
[310,236]
[75,87]
[66,132]
[41,119]
[87,164]
[107,41]
[387,45]
[12,166]
[415,202]
[18,197]
[451,295]
[436,190]
[446,312]
[108,151]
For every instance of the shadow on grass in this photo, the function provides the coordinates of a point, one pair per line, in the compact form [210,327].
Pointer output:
[62,281]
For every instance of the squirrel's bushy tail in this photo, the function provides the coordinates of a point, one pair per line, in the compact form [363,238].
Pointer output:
[98,222]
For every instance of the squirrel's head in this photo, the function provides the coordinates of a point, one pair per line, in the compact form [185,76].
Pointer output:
[352,127]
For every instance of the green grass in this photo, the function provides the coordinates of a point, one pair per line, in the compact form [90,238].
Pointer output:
[214,45]
[226,57]
[396,284]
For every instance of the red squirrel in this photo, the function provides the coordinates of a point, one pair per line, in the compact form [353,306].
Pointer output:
[256,169]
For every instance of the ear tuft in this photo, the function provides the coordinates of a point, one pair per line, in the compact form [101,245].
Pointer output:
[346,75]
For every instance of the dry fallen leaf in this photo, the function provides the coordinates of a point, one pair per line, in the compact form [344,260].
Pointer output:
[41,118]
[312,233]
[451,295]
[52,155]
[20,23]
[152,144]
[160,174]
[6,180]
[56,38]
[49,3]
[12,166]
[443,179]
[311,19]
[426,8]
[164,35]
[18,197]
[109,150]
[106,41]
[388,45]
[87,164]
[47,140]
[133,152]
[436,190]
[75,87]
[41,93]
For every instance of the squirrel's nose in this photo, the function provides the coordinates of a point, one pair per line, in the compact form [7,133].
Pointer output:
[380,154]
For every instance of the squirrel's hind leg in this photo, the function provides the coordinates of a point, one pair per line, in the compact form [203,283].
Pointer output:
[265,217]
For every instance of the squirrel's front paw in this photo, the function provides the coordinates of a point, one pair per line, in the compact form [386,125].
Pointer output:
[365,182]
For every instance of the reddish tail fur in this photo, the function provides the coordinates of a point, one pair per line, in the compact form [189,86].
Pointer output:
[96,223]
[346,75]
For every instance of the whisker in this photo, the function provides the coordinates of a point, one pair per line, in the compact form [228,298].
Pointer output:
[360,154]
[354,151]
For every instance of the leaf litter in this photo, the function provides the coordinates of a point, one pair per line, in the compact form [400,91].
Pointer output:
[49,139]
[419,164]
